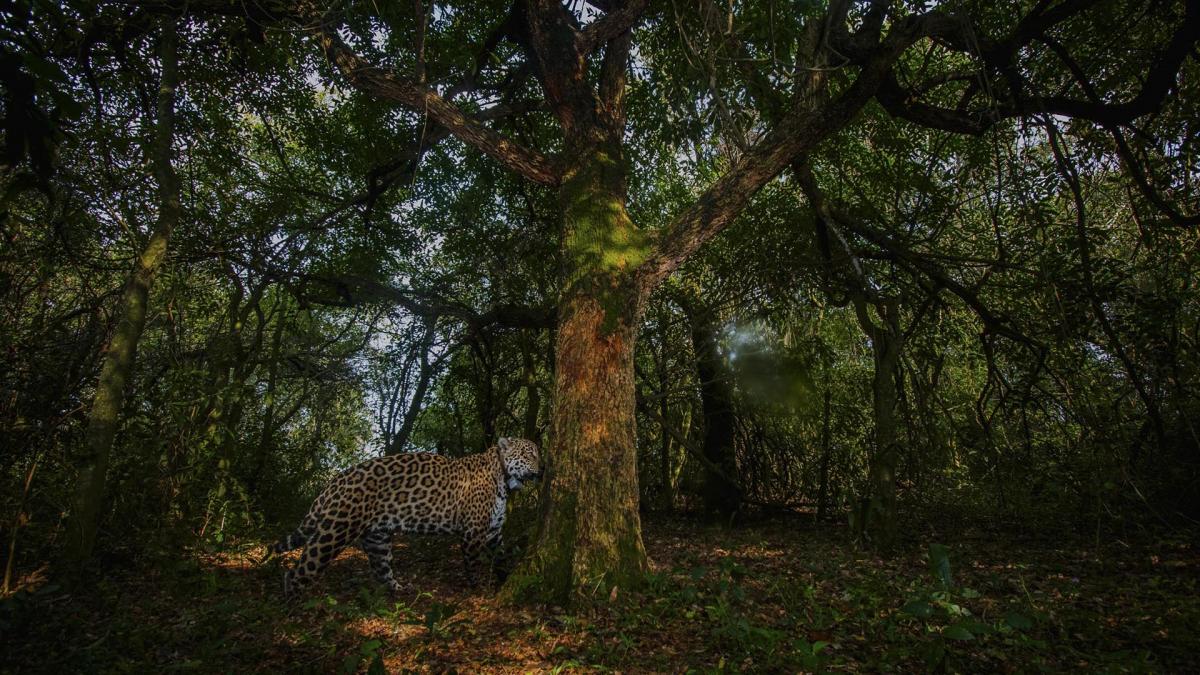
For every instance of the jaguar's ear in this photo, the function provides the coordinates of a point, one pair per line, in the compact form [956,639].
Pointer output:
[503,443]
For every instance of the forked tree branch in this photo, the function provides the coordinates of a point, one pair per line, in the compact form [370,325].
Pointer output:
[798,132]
[1160,78]
[386,85]
[383,84]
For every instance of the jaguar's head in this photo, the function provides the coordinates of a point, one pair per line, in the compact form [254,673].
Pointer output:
[521,461]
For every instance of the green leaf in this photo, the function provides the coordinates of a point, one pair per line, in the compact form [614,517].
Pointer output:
[976,627]
[918,608]
[371,646]
[957,632]
[377,667]
[1018,621]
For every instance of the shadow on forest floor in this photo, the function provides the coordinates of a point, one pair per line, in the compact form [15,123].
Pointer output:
[770,596]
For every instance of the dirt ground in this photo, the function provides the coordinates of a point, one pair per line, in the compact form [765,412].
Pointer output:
[772,596]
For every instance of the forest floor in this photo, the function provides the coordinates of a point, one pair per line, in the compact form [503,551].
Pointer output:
[772,596]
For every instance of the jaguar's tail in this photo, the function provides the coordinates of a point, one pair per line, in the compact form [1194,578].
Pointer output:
[297,539]
[293,541]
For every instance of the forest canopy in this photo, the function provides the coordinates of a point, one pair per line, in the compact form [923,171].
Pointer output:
[859,260]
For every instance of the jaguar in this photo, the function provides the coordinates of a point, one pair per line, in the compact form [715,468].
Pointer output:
[411,492]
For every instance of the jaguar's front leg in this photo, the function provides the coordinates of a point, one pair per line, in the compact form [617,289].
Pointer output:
[473,543]
[496,556]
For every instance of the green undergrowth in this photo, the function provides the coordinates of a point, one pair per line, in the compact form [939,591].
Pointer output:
[779,596]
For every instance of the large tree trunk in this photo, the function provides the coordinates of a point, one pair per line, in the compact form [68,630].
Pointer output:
[108,405]
[590,539]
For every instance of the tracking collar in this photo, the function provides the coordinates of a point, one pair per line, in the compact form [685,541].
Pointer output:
[503,467]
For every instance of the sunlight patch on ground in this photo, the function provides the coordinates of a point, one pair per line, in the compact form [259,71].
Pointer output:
[752,598]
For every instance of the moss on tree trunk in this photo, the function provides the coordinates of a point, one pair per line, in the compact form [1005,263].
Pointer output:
[590,538]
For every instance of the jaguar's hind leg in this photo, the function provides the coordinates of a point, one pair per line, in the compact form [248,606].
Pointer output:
[378,546]
[321,549]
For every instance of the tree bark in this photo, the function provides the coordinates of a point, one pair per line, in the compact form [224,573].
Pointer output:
[107,407]
[877,514]
[721,496]
[590,538]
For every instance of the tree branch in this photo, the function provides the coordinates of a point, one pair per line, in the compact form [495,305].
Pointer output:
[618,21]
[915,263]
[797,133]
[351,290]
[506,27]
[386,85]
[614,72]
[1160,78]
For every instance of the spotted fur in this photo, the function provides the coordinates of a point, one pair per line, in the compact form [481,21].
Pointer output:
[411,492]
